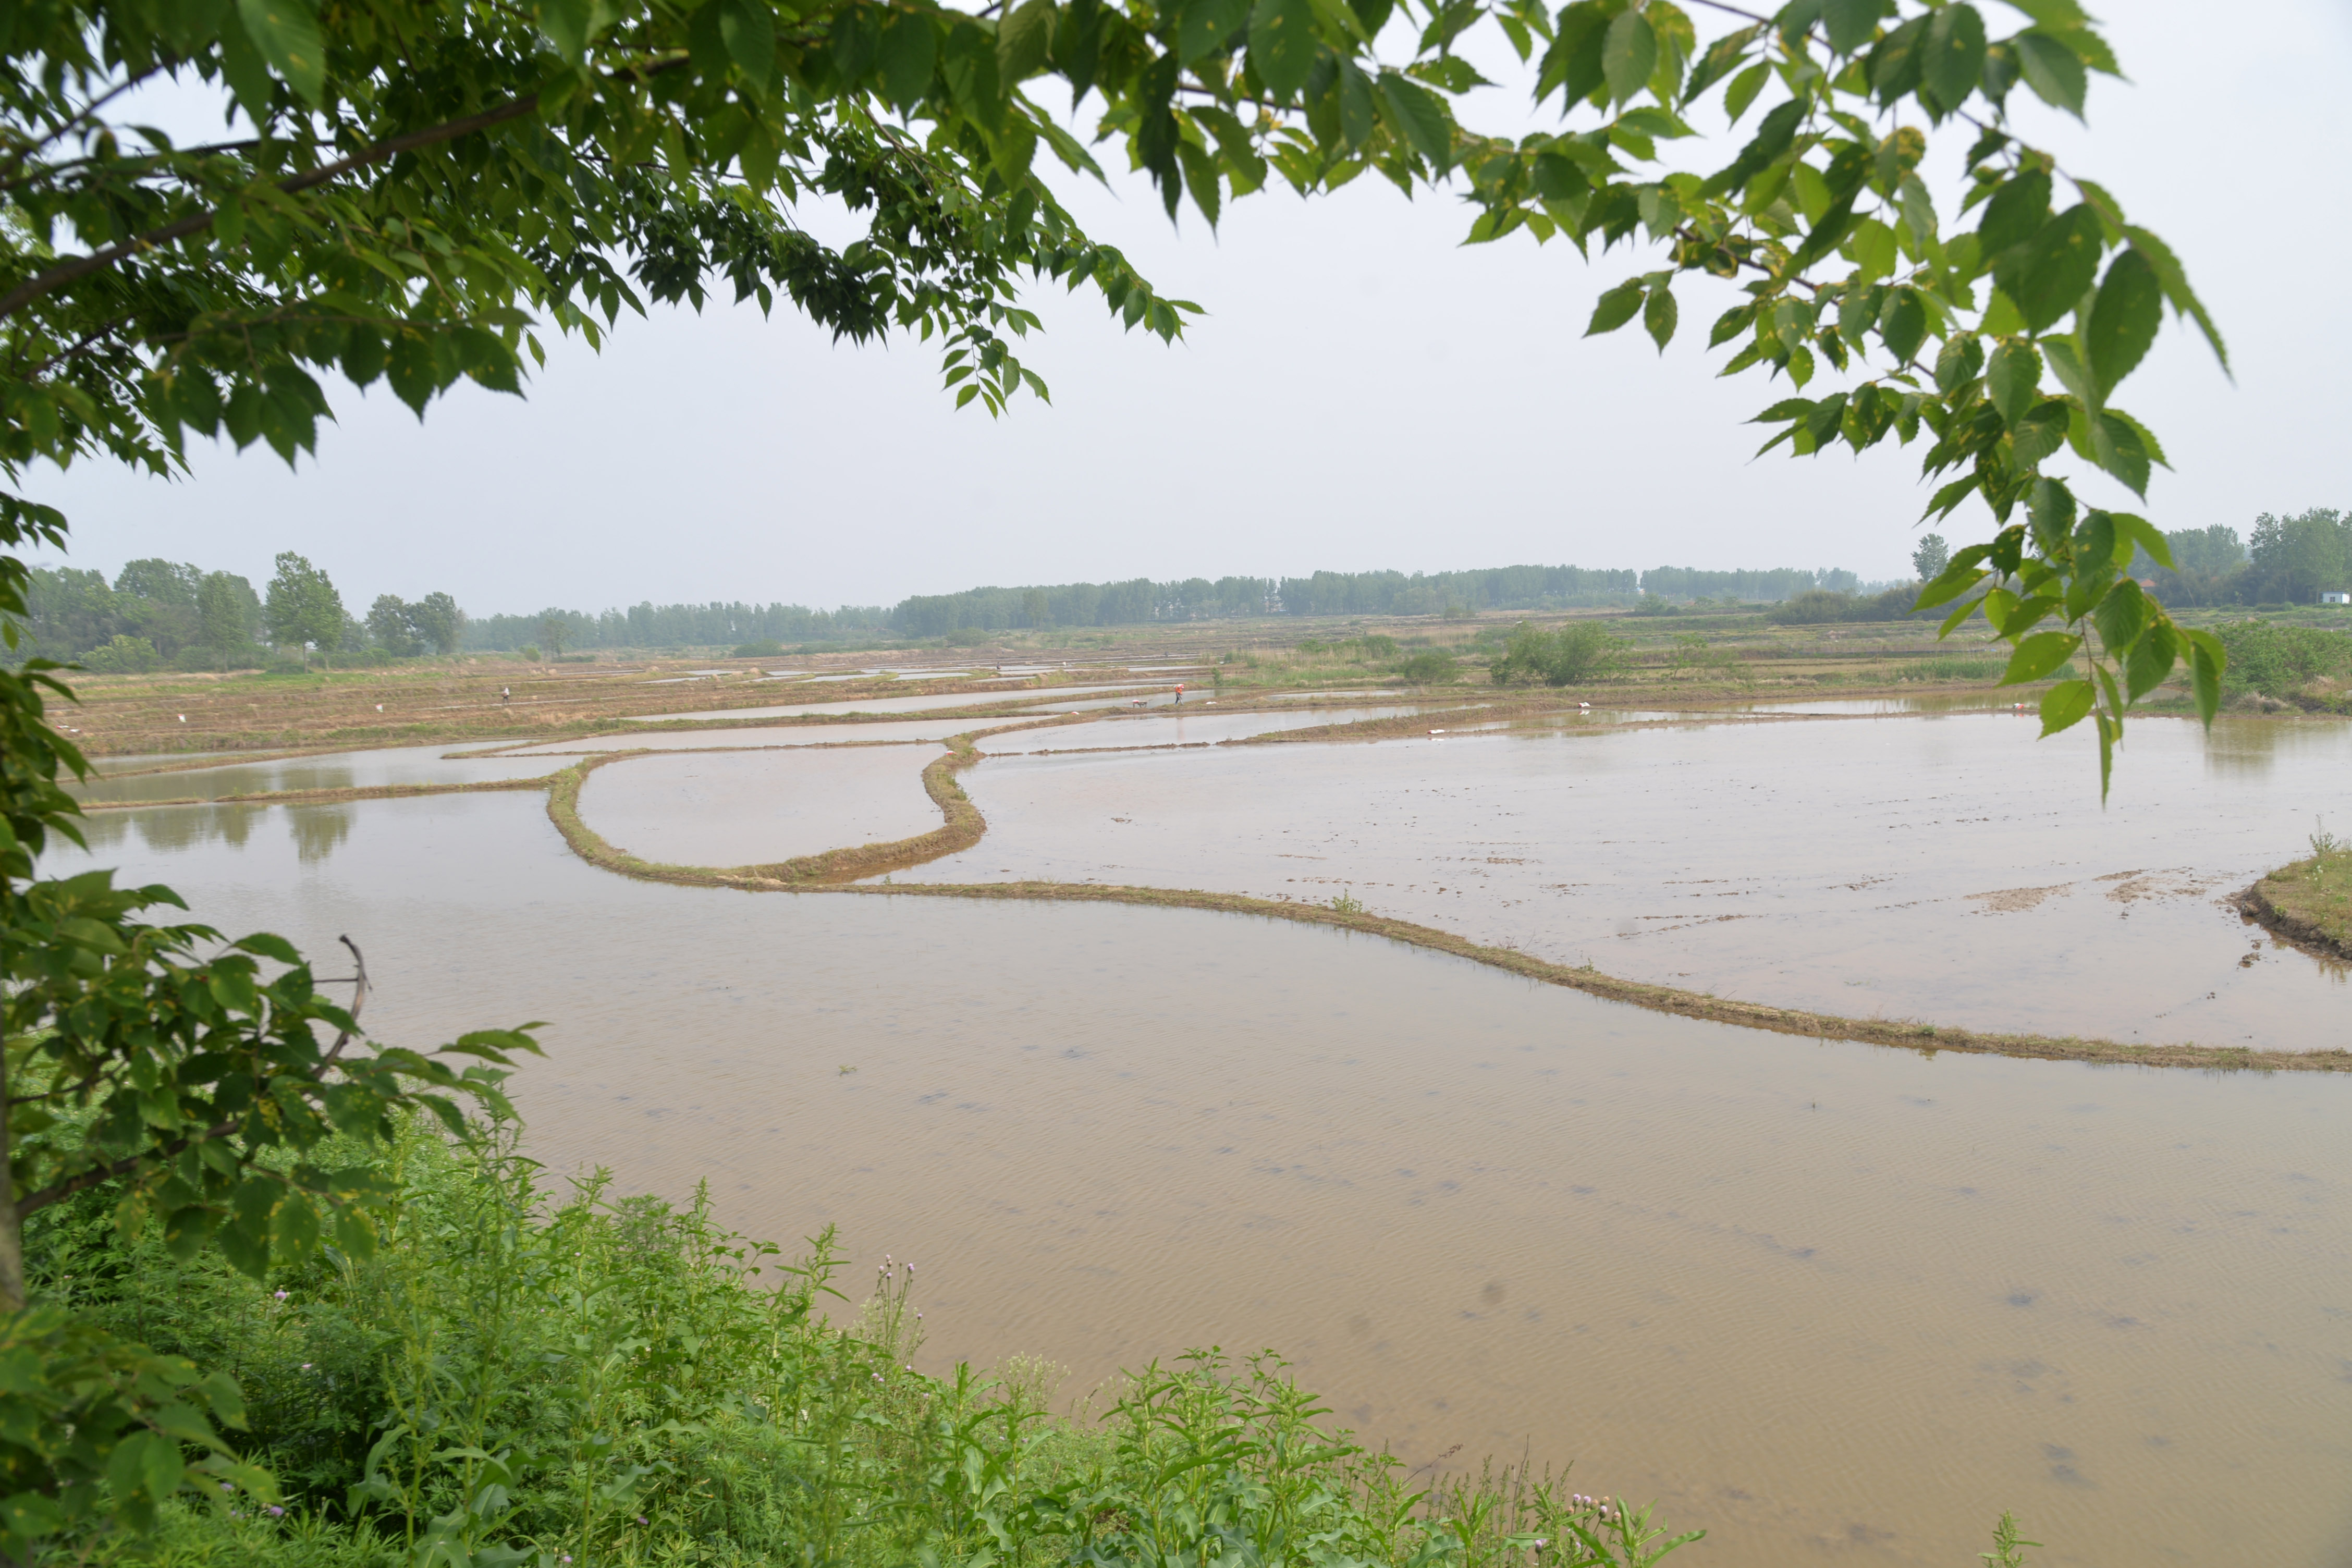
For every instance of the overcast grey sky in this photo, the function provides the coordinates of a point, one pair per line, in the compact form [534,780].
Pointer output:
[1363,393]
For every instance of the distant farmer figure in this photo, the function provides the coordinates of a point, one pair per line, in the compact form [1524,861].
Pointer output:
[505,693]
[1179,691]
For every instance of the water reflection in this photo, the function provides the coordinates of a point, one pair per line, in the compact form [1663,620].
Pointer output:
[318,830]
[2249,745]
[172,828]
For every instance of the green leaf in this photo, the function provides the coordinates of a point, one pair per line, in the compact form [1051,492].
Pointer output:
[1722,57]
[1744,88]
[2116,444]
[1871,245]
[1955,53]
[1956,579]
[2206,662]
[1658,315]
[2123,613]
[1902,325]
[287,34]
[2038,655]
[2013,378]
[2048,276]
[2176,287]
[2050,506]
[2066,705]
[2124,319]
[2069,369]
[1358,112]
[1421,118]
[2147,664]
[1201,27]
[1282,46]
[749,29]
[2051,70]
[2042,432]
[1851,23]
[2138,530]
[908,52]
[568,25]
[1200,179]
[268,946]
[2014,214]
[1026,38]
[1628,55]
[1615,308]
[1944,501]
[294,1229]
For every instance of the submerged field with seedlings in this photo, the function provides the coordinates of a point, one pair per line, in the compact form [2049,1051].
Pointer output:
[1630,1072]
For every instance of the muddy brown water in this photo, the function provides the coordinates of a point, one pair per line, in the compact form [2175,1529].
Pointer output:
[1950,870]
[741,808]
[1830,1302]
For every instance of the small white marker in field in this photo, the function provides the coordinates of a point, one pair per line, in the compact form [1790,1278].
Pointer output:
[184,718]
[1437,732]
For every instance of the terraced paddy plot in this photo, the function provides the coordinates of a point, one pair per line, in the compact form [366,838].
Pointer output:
[1830,1302]
[341,770]
[1189,724]
[746,808]
[886,732]
[900,704]
[1954,871]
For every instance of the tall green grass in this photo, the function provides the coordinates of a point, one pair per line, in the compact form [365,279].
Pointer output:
[1953,667]
[532,1374]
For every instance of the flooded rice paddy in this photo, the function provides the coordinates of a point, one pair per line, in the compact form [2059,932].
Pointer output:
[883,732]
[1833,1302]
[741,808]
[911,704]
[341,770]
[1948,870]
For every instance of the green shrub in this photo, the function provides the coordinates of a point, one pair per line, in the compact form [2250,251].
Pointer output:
[766,648]
[1581,650]
[1429,666]
[1954,667]
[2280,660]
[121,654]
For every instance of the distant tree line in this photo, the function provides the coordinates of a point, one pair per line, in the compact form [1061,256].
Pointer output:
[2289,561]
[158,614]
[1139,601]
[650,625]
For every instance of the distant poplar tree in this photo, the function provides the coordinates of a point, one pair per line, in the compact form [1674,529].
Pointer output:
[303,607]
[437,619]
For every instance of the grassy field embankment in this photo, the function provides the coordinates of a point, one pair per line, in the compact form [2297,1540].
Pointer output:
[2309,903]
[1691,659]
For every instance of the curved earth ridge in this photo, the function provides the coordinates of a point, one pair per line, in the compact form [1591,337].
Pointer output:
[834,870]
